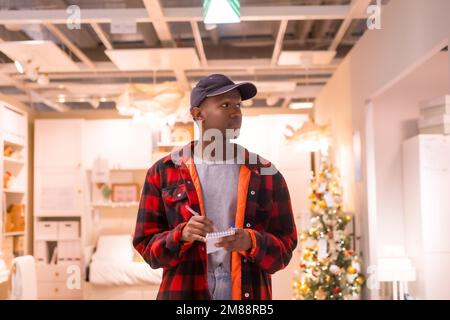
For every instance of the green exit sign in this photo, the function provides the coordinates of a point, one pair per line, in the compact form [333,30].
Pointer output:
[221,11]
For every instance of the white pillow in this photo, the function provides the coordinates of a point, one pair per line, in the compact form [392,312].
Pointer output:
[114,248]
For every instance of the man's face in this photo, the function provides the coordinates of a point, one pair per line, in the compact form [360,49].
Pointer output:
[220,112]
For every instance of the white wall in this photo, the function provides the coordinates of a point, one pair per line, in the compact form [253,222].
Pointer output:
[411,32]
[395,119]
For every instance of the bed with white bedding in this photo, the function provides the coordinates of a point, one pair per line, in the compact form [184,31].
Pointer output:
[117,271]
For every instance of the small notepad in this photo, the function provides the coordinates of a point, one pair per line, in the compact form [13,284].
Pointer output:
[213,238]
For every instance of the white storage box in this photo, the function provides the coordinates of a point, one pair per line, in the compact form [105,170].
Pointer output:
[47,230]
[436,107]
[435,125]
[69,251]
[40,252]
[68,230]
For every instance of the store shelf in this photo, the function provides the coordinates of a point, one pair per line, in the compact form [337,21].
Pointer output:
[9,142]
[14,234]
[115,204]
[13,161]
[12,191]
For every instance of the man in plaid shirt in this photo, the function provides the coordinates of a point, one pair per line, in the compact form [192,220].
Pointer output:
[237,189]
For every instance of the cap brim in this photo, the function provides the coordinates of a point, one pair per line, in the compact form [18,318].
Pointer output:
[246,89]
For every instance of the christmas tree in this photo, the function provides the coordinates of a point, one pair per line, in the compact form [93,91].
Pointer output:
[329,267]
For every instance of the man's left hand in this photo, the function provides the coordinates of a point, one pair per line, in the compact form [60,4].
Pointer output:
[240,241]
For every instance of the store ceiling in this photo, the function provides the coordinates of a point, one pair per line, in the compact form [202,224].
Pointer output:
[297,44]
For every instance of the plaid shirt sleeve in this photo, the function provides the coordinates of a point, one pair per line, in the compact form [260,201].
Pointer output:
[160,246]
[272,248]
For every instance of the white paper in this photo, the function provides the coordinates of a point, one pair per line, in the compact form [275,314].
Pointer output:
[213,238]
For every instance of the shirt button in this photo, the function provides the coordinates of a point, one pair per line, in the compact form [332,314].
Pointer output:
[246,294]
[188,182]
[248,225]
[203,249]
[179,195]
[245,260]
[252,192]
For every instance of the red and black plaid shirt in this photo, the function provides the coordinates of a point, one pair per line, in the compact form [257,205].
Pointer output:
[266,213]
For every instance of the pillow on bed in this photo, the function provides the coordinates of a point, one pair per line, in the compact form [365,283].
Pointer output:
[137,256]
[114,248]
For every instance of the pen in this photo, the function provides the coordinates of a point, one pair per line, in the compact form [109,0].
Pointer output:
[195,213]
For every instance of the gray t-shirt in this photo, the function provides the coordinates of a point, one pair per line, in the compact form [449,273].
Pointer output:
[219,182]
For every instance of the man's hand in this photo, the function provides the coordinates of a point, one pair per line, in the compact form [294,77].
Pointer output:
[240,241]
[197,228]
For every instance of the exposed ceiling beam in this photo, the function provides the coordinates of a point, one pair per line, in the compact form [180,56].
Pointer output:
[148,34]
[214,34]
[305,31]
[231,66]
[33,94]
[13,100]
[322,31]
[72,47]
[357,8]
[199,43]
[286,102]
[162,29]
[279,42]
[182,79]
[155,11]
[267,13]
[251,13]
[102,35]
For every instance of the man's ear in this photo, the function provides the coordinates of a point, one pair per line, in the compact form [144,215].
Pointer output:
[196,113]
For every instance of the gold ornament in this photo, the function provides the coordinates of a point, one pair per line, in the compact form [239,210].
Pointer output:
[303,288]
[360,280]
[350,269]
[348,218]
[322,204]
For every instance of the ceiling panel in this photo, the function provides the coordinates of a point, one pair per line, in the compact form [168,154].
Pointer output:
[154,59]
[45,54]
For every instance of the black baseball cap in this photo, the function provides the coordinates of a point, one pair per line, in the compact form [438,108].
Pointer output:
[216,84]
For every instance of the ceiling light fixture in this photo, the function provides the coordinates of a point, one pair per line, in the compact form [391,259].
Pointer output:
[95,102]
[272,100]
[19,66]
[310,137]
[301,105]
[210,27]
[43,79]
[221,11]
